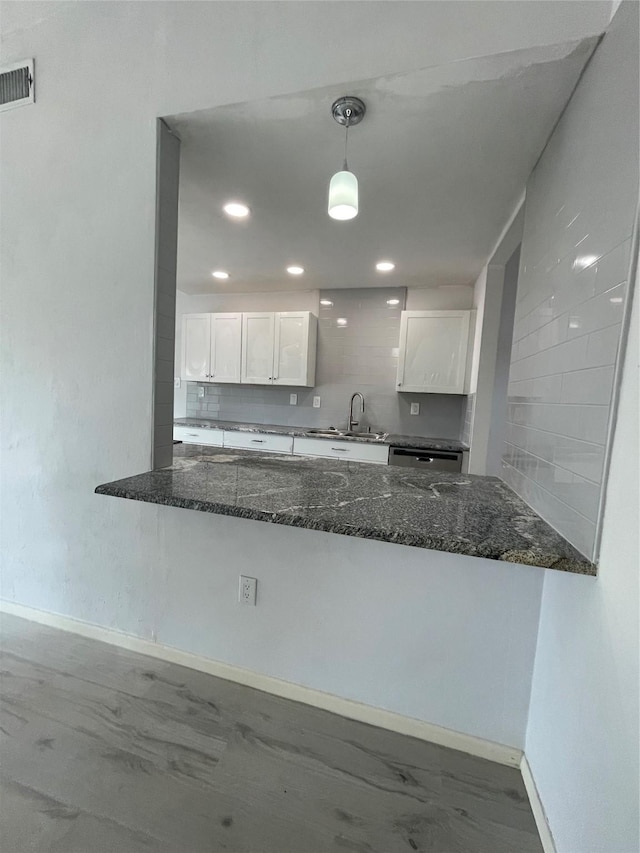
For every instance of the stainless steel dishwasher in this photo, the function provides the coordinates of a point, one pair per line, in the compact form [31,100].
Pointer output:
[426,459]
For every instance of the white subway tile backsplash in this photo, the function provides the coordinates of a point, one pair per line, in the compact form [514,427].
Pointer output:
[362,356]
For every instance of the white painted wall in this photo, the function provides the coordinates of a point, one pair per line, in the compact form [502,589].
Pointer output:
[582,738]
[381,623]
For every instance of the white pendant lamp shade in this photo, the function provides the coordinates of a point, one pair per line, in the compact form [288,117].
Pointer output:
[343,195]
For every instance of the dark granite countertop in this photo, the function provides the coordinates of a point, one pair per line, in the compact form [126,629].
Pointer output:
[421,442]
[457,513]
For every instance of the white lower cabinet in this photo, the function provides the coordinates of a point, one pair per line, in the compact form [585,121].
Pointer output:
[270,443]
[258,441]
[198,435]
[336,449]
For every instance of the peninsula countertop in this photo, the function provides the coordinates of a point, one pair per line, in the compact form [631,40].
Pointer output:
[457,513]
[394,439]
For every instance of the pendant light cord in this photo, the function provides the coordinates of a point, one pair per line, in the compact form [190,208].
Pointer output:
[346,139]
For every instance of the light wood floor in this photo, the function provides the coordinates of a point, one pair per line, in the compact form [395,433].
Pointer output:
[110,751]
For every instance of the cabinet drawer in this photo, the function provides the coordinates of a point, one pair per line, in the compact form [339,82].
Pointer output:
[258,441]
[198,435]
[336,449]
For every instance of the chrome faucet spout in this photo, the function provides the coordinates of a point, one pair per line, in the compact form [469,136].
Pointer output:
[352,422]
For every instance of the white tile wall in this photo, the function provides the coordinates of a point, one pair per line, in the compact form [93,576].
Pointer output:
[580,207]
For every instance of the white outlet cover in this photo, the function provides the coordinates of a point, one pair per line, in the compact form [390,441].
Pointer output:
[176,382]
[415,408]
[316,402]
[247,589]
[200,391]
[293,399]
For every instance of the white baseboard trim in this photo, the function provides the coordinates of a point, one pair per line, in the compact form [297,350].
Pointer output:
[539,814]
[349,708]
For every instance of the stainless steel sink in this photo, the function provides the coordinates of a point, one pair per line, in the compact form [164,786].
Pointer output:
[348,434]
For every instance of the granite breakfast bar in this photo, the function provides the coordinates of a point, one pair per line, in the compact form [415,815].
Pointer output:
[456,513]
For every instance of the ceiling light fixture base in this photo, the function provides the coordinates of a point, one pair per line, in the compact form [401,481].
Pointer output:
[348,111]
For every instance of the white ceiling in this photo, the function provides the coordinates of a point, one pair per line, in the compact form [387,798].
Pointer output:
[442,157]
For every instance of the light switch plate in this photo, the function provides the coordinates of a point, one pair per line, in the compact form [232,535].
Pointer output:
[415,408]
[293,399]
[200,391]
[316,402]
[176,382]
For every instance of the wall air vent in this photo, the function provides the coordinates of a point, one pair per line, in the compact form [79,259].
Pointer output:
[17,85]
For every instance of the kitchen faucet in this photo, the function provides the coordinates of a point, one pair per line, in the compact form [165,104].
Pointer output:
[353,423]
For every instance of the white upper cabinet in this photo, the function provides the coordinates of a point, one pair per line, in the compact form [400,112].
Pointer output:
[294,352]
[196,347]
[279,349]
[211,347]
[434,348]
[257,347]
[226,347]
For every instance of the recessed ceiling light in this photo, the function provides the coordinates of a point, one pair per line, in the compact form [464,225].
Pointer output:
[326,302]
[295,270]
[615,299]
[236,209]
[341,321]
[220,274]
[393,302]
[385,266]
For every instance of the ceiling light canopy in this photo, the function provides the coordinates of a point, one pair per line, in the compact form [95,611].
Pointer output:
[295,270]
[220,274]
[236,209]
[385,266]
[343,187]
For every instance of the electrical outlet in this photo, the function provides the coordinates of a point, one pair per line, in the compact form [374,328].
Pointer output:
[176,382]
[200,391]
[415,408]
[316,402]
[293,399]
[247,590]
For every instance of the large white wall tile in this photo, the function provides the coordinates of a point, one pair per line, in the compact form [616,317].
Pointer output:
[575,259]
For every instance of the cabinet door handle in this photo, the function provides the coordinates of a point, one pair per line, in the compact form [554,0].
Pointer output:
[341,449]
[399,384]
[258,440]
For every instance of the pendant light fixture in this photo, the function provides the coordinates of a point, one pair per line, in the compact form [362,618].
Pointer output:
[343,189]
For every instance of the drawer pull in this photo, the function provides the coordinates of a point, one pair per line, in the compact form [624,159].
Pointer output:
[258,440]
[341,449]
[193,435]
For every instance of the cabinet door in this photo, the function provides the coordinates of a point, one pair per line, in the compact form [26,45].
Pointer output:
[226,347]
[257,348]
[291,348]
[196,347]
[433,351]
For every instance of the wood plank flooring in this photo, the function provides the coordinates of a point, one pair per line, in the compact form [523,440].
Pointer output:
[107,751]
